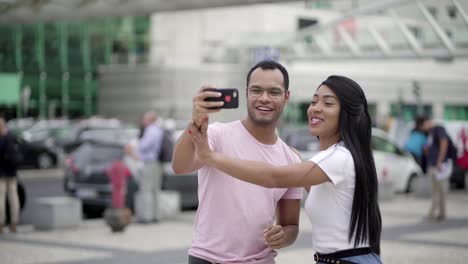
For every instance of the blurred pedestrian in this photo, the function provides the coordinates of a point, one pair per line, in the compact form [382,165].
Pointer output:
[148,147]
[235,219]
[416,142]
[146,167]
[342,180]
[440,153]
[8,177]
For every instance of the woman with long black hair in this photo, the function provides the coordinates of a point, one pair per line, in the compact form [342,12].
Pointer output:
[341,179]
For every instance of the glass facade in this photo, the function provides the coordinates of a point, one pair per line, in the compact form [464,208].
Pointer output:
[456,112]
[408,112]
[58,61]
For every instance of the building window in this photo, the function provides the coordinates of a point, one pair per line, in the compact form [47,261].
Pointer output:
[305,22]
[416,31]
[432,10]
[456,112]
[319,4]
[452,12]
[408,112]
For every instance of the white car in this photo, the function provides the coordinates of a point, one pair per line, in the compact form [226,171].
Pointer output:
[395,167]
[393,164]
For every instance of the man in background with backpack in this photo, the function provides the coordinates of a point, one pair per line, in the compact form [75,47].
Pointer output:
[440,153]
[147,167]
[150,142]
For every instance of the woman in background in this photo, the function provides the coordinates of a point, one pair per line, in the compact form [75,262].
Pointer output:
[416,142]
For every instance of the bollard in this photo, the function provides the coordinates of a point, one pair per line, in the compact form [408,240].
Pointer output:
[118,216]
[118,174]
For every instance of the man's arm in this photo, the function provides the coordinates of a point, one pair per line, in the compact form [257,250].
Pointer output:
[442,151]
[184,159]
[284,233]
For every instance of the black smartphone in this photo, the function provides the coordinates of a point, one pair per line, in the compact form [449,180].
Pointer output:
[230,97]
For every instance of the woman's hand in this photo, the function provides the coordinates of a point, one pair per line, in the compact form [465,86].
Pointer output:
[200,140]
[275,237]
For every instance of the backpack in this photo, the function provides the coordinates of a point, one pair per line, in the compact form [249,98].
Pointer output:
[167,147]
[452,150]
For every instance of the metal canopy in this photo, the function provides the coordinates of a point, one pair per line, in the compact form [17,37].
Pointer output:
[30,11]
[411,30]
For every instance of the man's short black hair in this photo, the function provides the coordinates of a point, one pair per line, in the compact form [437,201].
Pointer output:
[419,121]
[270,65]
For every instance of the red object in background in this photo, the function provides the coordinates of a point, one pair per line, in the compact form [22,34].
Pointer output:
[462,161]
[385,176]
[71,164]
[349,25]
[118,174]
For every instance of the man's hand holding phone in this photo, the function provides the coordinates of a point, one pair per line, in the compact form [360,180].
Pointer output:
[212,100]
[201,108]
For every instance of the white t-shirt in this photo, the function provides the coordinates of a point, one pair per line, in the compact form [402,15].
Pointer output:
[329,204]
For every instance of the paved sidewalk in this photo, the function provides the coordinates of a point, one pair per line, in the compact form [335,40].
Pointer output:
[406,239]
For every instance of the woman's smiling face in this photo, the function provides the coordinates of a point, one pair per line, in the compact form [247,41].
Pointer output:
[324,113]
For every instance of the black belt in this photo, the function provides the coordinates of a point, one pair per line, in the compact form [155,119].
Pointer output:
[336,257]
[195,260]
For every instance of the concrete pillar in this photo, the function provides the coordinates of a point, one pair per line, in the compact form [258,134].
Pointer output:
[438,111]
[56,212]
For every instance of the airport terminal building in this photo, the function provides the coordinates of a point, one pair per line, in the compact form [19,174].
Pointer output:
[408,58]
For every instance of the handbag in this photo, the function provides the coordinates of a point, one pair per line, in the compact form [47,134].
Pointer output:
[445,170]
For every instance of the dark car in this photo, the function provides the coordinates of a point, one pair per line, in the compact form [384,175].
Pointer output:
[94,129]
[86,177]
[186,185]
[35,154]
[85,167]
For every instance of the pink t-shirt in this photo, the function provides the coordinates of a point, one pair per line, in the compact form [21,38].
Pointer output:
[232,214]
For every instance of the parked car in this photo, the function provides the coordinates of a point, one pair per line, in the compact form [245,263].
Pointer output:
[45,130]
[35,154]
[17,126]
[392,163]
[186,185]
[79,132]
[86,179]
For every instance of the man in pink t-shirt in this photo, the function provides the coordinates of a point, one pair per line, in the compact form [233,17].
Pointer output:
[235,221]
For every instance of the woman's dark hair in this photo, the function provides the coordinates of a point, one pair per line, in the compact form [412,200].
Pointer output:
[270,65]
[355,131]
